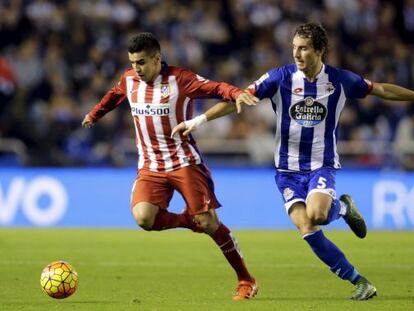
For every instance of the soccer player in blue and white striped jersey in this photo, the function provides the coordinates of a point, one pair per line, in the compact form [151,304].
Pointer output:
[308,97]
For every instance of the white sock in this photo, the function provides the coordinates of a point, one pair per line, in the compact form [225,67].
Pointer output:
[343,210]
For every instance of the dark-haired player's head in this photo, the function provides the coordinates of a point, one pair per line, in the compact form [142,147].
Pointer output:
[144,53]
[316,33]
[144,41]
[310,43]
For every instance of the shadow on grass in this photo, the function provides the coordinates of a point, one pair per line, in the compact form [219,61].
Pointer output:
[301,299]
[94,302]
[344,299]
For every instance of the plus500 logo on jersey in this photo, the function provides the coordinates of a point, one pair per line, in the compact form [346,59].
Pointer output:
[148,110]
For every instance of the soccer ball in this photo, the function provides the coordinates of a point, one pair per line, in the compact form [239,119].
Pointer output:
[59,279]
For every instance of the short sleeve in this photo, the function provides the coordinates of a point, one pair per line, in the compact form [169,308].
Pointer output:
[267,85]
[355,86]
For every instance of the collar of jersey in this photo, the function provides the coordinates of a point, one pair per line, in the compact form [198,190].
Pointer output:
[317,76]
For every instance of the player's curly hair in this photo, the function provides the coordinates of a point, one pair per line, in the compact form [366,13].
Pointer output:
[144,41]
[316,33]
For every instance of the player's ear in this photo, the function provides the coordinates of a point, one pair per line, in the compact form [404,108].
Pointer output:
[321,52]
[157,58]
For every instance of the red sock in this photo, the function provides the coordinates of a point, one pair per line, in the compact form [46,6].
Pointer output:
[166,220]
[231,251]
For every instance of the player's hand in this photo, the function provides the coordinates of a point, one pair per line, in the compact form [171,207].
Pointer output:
[247,99]
[182,127]
[87,122]
[189,125]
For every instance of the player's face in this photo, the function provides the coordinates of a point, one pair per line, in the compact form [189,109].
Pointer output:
[306,57]
[146,66]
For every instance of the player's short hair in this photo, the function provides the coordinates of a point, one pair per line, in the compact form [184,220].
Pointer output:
[144,41]
[316,33]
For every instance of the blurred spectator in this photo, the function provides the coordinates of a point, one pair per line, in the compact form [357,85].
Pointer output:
[404,143]
[7,92]
[57,58]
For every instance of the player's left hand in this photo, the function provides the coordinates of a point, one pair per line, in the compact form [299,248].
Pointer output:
[189,125]
[247,99]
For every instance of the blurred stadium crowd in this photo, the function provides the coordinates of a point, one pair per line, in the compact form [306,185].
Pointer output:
[58,58]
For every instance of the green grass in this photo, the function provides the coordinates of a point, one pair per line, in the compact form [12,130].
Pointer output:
[178,270]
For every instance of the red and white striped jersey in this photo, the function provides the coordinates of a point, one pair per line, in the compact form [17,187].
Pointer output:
[159,106]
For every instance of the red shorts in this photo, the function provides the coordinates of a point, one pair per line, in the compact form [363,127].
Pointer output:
[194,182]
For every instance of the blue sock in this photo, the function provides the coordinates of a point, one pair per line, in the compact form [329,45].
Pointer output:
[333,212]
[331,255]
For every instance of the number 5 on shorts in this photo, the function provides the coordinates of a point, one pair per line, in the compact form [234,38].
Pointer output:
[321,183]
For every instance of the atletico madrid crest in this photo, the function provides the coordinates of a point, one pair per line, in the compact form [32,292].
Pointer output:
[165,90]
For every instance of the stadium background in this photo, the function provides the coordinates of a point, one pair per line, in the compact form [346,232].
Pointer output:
[57,58]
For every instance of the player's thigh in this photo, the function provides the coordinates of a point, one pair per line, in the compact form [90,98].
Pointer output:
[196,186]
[318,205]
[321,192]
[293,187]
[323,181]
[300,218]
[153,188]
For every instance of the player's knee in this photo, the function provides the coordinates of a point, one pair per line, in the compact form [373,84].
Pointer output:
[305,225]
[306,228]
[202,221]
[145,223]
[144,217]
[317,216]
[207,223]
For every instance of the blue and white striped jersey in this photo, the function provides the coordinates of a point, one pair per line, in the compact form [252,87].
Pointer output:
[307,113]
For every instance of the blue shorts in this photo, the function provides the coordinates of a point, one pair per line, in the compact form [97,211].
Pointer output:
[297,186]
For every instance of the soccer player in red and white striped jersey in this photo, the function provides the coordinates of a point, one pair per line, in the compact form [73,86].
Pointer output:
[160,97]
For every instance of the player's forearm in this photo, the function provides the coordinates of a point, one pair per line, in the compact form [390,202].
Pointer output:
[219,110]
[392,92]
[110,101]
[227,91]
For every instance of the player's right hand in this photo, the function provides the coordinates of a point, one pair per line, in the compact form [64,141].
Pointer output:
[87,122]
[247,99]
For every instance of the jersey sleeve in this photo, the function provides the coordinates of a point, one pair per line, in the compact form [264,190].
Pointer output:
[194,85]
[267,85]
[112,99]
[354,85]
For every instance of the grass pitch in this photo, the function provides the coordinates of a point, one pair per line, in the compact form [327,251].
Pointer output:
[179,270]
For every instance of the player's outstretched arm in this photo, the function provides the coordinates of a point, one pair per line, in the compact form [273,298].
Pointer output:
[218,110]
[392,92]
[87,122]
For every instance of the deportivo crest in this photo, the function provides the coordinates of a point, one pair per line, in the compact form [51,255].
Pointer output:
[165,90]
[308,112]
[288,194]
